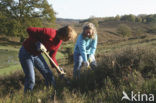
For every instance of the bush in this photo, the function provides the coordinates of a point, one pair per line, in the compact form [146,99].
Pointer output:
[130,59]
[124,30]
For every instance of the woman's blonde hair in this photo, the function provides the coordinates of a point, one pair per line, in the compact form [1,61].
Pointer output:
[89,25]
[67,32]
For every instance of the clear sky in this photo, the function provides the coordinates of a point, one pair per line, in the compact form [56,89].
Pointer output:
[83,9]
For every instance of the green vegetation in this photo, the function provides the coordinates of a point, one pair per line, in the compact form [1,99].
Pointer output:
[128,69]
[10,69]
[17,15]
[124,30]
[125,55]
[126,18]
[8,58]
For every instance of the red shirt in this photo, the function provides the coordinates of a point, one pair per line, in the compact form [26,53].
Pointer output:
[47,36]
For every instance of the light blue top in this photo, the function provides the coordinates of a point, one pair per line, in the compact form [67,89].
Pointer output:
[85,46]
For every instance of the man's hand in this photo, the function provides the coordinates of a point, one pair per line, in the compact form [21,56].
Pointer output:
[41,47]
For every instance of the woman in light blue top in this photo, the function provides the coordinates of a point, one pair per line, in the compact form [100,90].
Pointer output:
[85,49]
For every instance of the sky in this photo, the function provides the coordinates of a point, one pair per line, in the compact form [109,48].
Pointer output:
[83,9]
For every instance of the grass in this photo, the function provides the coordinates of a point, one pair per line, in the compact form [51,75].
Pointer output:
[124,65]
[10,48]
[10,69]
[127,73]
[10,62]
[110,46]
[8,58]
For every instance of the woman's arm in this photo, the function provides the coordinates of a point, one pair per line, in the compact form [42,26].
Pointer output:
[82,48]
[93,45]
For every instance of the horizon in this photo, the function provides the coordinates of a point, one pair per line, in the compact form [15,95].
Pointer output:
[103,17]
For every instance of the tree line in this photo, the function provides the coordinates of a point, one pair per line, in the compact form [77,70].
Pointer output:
[17,15]
[143,18]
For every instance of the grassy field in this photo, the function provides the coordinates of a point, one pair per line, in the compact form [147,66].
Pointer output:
[9,56]
[124,64]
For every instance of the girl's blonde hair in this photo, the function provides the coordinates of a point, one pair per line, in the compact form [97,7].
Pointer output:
[89,25]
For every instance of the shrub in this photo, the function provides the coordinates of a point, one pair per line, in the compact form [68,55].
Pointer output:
[124,30]
[130,69]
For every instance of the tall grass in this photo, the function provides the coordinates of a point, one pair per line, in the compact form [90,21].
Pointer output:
[130,69]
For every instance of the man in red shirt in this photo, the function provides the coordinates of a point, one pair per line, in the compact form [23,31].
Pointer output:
[47,39]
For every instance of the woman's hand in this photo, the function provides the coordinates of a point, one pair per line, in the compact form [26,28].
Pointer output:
[86,64]
[41,47]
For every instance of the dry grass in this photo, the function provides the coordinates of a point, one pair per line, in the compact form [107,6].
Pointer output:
[126,69]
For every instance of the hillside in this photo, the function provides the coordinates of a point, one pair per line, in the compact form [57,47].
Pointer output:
[125,63]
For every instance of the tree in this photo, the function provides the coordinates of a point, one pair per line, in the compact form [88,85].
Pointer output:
[139,19]
[130,18]
[117,18]
[17,15]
